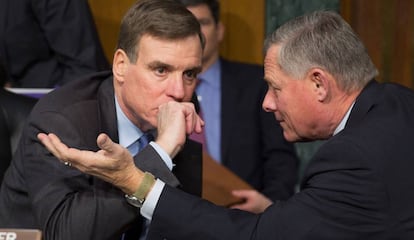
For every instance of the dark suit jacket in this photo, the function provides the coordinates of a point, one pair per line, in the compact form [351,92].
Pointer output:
[39,191]
[252,140]
[359,185]
[47,43]
[14,110]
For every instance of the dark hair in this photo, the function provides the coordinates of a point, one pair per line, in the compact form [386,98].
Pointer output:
[213,5]
[164,19]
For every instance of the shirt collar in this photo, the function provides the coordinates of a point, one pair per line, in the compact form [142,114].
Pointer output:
[127,131]
[211,76]
[341,125]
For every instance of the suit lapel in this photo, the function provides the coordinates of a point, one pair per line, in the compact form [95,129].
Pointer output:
[107,112]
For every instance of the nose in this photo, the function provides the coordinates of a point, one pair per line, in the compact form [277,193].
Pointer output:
[269,102]
[175,88]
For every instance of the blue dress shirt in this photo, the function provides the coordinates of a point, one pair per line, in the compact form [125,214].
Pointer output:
[209,96]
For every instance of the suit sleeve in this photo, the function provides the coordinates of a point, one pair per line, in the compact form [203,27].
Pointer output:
[342,198]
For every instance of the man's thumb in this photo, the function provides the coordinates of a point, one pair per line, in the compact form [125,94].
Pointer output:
[105,143]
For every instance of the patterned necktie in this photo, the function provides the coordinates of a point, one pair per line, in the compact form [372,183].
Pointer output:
[144,140]
[139,144]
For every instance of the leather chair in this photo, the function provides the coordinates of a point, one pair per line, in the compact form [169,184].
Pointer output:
[14,110]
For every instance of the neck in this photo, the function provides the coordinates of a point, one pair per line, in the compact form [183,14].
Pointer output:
[341,107]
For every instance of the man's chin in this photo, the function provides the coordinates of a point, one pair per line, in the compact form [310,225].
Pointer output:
[290,137]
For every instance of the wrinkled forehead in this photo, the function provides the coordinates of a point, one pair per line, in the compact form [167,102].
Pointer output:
[271,58]
[271,54]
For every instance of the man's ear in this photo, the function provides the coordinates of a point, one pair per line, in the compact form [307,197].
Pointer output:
[320,83]
[120,64]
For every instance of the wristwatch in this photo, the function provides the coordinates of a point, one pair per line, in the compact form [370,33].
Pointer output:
[138,198]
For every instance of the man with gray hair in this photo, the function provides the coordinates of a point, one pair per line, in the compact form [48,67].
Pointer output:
[358,185]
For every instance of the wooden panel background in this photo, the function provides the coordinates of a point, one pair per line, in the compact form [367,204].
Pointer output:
[387,29]
[107,16]
[244,21]
[245,30]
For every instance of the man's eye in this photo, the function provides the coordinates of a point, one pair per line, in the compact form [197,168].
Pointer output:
[160,70]
[190,74]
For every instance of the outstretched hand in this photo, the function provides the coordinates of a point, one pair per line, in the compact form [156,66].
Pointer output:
[113,163]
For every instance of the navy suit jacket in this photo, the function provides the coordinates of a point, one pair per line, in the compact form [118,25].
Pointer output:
[359,185]
[252,140]
[40,192]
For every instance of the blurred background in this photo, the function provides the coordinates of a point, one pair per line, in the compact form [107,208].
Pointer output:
[386,27]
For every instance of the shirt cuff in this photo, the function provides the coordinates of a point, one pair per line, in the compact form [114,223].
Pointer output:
[164,156]
[147,209]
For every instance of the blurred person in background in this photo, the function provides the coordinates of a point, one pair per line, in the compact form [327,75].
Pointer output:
[47,43]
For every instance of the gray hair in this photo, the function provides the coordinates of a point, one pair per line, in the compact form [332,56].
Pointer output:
[323,39]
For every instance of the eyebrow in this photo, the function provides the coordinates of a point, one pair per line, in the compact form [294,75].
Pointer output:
[156,64]
[196,69]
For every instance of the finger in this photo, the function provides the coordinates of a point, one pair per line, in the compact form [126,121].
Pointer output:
[61,150]
[46,140]
[193,121]
[242,193]
[43,138]
[105,143]
[199,125]
[110,148]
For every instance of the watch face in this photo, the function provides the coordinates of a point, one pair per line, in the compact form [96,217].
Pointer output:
[134,201]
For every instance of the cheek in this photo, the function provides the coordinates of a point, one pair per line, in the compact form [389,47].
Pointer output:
[211,39]
[291,110]
[298,109]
